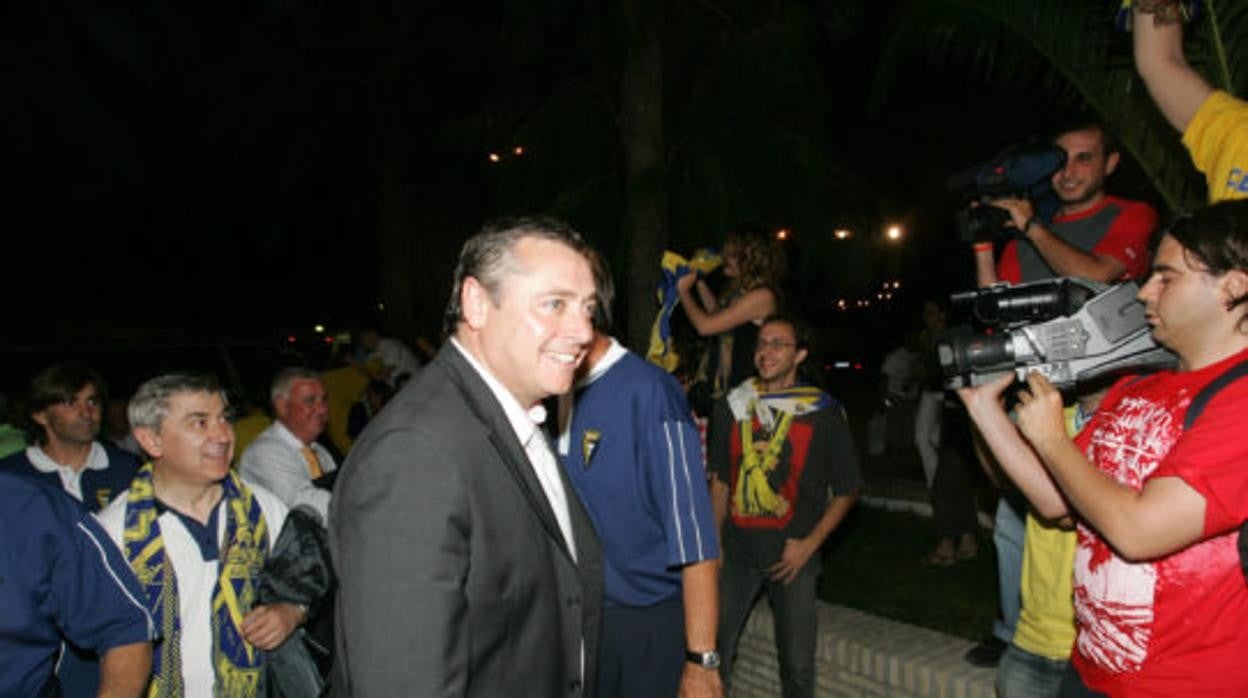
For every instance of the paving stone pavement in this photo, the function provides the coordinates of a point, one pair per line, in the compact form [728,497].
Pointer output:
[863,655]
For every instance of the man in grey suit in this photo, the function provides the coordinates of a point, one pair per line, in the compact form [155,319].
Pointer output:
[466,567]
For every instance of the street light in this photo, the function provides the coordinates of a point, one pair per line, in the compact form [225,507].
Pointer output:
[893,233]
[841,234]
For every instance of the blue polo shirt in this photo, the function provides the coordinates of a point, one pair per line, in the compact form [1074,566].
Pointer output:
[98,486]
[61,577]
[634,457]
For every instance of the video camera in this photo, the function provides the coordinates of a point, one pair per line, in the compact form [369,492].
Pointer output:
[1070,330]
[1023,173]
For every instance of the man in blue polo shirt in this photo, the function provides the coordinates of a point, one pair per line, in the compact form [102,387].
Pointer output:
[64,412]
[634,456]
[62,578]
[65,408]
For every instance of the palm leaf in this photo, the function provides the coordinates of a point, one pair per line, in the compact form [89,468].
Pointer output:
[1073,40]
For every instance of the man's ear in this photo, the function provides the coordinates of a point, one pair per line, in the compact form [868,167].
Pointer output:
[475,302]
[150,441]
[1111,162]
[40,418]
[1233,284]
[800,356]
[279,405]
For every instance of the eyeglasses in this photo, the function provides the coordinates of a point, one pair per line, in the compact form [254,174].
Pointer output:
[774,344]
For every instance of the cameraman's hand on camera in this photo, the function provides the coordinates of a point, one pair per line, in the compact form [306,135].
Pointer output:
[1039,414]
[983,399]
[1010,445]
[1021,211]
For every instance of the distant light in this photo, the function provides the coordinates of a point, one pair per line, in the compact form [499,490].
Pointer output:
[841,364]
[495,157]
[893,232]
[518,150]
[329,339]
[290,339]
[842,234]
[896,285]
[857,365]
[782,234]
[381,306]
[318,328]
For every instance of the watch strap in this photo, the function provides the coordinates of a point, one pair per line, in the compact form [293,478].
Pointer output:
[708,660]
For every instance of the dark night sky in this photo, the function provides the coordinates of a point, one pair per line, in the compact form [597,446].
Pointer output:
[211,169]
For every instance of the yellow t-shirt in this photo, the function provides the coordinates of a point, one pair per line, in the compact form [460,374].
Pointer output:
[1046,622]
[1217,138]
[345,387]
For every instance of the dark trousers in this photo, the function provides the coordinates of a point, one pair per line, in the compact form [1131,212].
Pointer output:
[953,490]
[1073,687]
[953,496]
[642,651]
[793,606]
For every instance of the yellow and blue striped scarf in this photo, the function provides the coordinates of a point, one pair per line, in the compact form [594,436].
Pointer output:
[753,495]
[746,402]
[236,663]
[661,352]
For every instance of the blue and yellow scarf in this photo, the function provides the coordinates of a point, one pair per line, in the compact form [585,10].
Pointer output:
[661,352]
[753,494]
[236,663]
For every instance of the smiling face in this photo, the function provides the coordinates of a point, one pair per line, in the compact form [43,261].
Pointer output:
[776,355]
[536,335]
[1080,184]
[195,442]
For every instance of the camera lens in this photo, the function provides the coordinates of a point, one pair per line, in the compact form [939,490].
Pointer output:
[961,356]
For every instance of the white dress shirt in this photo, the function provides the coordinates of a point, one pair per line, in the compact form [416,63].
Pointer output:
[525,422]
[275,461]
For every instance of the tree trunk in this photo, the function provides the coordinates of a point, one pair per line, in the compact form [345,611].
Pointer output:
[395,188]
[641,137]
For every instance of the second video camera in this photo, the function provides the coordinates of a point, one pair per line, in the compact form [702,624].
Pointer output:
[1070,330]
[1018,173]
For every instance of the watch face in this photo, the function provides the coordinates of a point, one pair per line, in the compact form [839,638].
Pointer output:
[707,660]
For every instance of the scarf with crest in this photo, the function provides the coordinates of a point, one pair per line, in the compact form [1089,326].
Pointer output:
[753,494]
[236,663]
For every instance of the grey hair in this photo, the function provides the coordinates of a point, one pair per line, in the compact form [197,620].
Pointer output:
[489,255]
[280,387]
[150,404]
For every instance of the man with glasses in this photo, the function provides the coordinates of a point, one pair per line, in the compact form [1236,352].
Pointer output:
[785,475]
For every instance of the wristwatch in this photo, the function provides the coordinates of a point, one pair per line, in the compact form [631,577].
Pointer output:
[706,660]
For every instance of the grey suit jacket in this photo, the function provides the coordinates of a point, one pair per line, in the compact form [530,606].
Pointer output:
[454,579]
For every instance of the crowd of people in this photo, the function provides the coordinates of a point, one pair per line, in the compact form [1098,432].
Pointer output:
[539,511]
